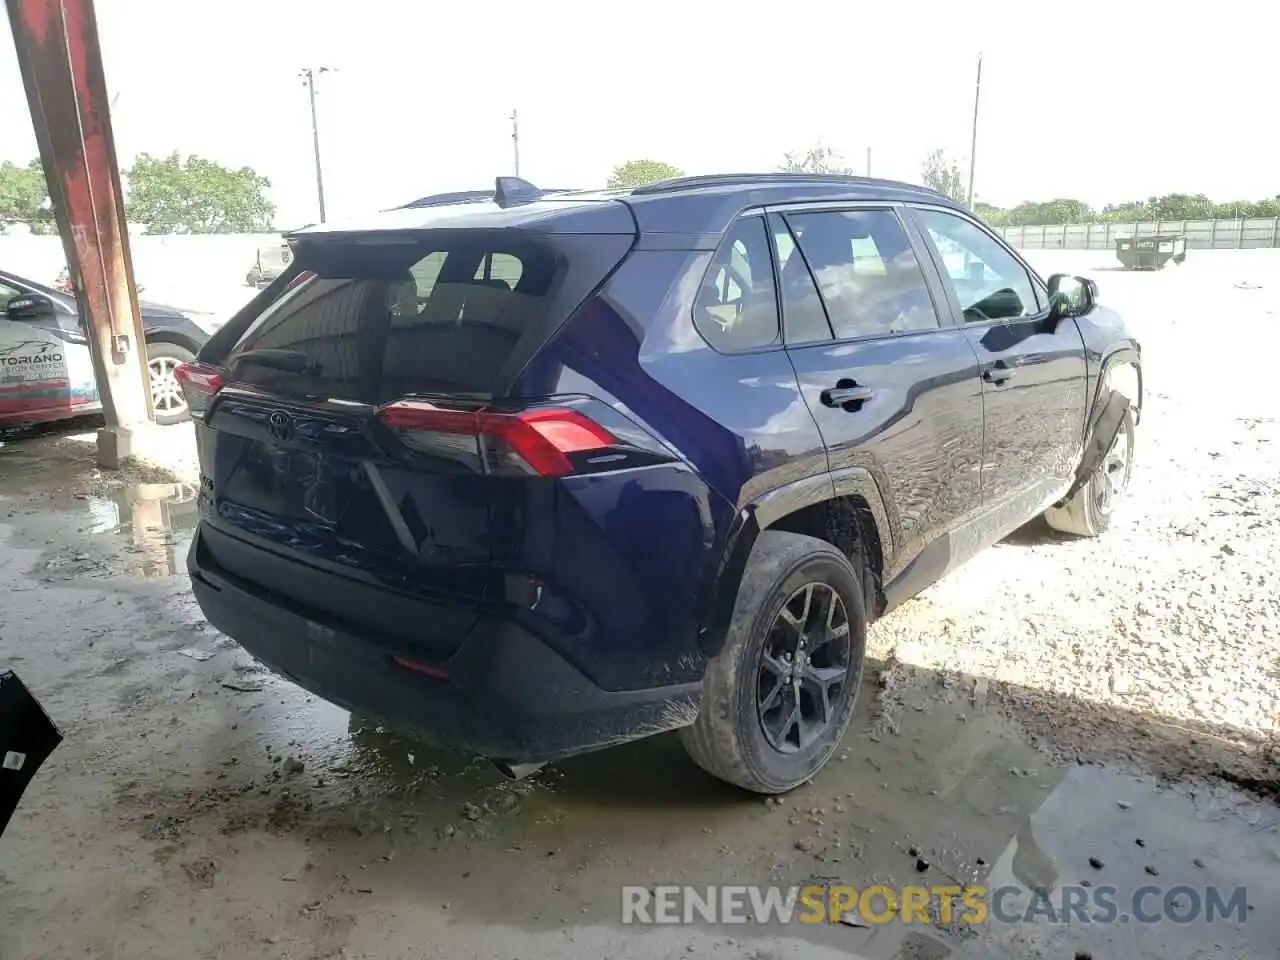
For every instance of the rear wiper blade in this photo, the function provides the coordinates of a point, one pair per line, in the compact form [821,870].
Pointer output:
[291,361]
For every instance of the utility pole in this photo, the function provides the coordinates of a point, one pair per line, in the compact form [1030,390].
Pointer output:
[868,161]
[515,139]
[973,143]
[309,81]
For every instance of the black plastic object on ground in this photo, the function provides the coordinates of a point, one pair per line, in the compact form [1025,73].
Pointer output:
[27,737]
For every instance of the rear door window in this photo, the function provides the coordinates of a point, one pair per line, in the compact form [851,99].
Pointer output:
[381,319]
[803,316]
[866,272]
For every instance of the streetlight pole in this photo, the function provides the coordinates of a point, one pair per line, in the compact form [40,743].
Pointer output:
[515,139]
[868,161]
[309,81]
[973,143]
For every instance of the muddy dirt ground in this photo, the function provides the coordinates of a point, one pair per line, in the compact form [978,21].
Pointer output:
[1051,702]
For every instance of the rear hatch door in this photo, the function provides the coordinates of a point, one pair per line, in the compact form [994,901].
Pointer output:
[346,465]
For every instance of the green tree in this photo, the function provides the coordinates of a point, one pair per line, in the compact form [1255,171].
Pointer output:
[23,193]
[1247,208]
[1171,206]
[995,216]
[817,159]
[636,173]
[1061,210]
[940,171]
[173,195]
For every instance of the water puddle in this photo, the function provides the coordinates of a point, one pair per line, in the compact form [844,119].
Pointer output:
[157,521]
[139,531]
[1127,866]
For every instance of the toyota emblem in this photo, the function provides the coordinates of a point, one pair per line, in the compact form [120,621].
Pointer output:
[281,425]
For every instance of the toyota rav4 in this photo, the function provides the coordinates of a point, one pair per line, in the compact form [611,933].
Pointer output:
[530,473]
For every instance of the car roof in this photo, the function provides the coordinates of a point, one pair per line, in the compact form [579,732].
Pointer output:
[684,205]
[154,312]
[42,288]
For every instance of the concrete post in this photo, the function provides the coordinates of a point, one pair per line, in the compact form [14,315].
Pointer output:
[61,66]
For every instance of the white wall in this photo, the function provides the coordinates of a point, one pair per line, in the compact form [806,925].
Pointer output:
[201,274]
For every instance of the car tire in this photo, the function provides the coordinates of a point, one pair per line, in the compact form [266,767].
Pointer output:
[1088,511]
[736,734]
[161,359]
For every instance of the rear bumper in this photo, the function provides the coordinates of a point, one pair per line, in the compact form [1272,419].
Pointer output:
[507,694]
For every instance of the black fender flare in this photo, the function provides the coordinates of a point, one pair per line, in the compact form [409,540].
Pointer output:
[174,337]
[1104,426]
[1128,355]
[719,592]
[1113,395]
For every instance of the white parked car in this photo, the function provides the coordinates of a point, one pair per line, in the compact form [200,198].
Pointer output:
[45,371]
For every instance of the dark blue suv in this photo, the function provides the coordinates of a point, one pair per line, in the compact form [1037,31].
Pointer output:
[530,473]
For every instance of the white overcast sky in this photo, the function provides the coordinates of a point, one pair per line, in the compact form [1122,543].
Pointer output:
[424,89]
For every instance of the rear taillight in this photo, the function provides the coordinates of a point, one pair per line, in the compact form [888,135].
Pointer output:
[200,383]
[540,441]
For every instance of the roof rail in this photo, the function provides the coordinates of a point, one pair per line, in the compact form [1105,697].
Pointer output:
[748,179]
[444,199]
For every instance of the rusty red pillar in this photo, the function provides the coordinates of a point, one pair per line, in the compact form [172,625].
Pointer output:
[61,64]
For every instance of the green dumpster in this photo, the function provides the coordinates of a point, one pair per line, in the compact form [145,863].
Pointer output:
[1151,253]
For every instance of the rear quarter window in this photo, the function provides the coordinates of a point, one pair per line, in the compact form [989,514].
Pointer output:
[736,308]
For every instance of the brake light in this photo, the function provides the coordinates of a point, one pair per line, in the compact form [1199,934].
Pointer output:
[200,382]
[538,441]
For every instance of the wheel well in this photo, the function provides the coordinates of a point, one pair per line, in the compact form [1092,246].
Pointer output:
[1125,378]
[177,339]
[848,524]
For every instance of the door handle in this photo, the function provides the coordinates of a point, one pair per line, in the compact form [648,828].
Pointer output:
[846,394]
[998,373]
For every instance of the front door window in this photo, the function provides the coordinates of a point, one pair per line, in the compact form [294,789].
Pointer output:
[989,281]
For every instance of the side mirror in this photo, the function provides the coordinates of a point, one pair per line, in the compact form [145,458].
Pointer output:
[29,306]
[1071,296]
